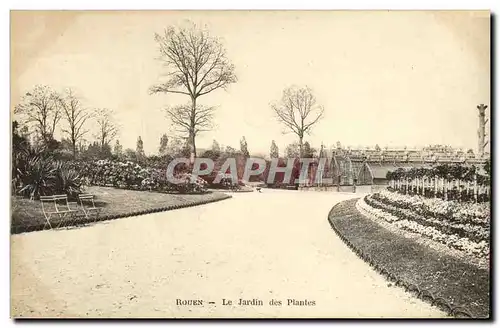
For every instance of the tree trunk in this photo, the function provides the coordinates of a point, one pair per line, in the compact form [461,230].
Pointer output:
[191,139]
[301,146]
[193,147]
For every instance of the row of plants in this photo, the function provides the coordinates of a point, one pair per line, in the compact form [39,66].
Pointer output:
[443,190]
[473,232]
[465,183]
[472,213]
[467,230]
[463,244]
[481,173]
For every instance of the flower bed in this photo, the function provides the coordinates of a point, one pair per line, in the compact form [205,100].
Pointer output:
[452,283]
[130,175]
[474,232]
[462,226]
[473,213]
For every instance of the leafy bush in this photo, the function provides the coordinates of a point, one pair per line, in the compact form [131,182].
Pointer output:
[68,181]
[36,173]
[37,177]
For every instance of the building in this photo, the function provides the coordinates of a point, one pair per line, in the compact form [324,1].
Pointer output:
[370,166]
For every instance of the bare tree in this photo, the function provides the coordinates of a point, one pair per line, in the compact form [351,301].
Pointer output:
[107,128]
[298,111]
[76,116]
[40,108]
[197,65]
[190,123]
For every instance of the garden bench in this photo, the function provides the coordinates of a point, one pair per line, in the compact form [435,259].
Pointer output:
[91,208]
[61,210]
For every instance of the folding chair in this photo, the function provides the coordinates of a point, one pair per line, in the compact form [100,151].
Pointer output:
[61,210]
[89,210]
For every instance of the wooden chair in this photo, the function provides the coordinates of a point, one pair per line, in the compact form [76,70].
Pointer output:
[51,206]
[91,208]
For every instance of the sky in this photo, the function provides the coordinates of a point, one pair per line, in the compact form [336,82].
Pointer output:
[386,77]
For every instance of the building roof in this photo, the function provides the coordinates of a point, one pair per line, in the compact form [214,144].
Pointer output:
[379,171]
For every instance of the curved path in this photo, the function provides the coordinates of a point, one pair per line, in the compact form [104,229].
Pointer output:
[270,245]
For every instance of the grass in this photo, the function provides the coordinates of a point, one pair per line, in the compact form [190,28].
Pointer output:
[459,283]
[27,215]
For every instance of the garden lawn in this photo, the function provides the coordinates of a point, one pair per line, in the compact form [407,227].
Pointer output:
[27,215]
[459,283]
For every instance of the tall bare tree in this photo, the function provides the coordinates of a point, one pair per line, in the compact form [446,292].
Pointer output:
[190,123]
[298,111]
[107,128]
[75,116]
[197,65]
[40,108]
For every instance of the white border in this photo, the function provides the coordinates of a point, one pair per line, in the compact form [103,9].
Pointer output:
[256,4]
[185,4]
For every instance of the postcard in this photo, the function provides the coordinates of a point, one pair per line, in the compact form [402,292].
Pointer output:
[250,164]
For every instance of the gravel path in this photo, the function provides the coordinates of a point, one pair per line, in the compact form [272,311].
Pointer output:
[270,245]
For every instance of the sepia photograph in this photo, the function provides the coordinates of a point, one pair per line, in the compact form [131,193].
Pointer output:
[258,164]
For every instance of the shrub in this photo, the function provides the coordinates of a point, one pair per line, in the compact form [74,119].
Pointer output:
[68,181]
[37,177]
[226,181]
[130,175]
[192,184]
[36,173]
